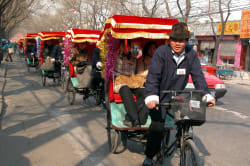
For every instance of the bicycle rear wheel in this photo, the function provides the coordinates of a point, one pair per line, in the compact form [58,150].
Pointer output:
[190,154]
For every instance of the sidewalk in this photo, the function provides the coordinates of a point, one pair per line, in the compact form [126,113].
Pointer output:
[244,80]
[3,70]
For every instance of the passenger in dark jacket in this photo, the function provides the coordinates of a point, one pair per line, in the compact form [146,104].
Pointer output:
[169,70]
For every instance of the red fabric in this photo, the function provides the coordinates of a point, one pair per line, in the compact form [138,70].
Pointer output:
[75,32]
[85,31]
[139,20]
[114,97]
[71,71]
[31,35]
[144,20]
[48,34]
[111,91]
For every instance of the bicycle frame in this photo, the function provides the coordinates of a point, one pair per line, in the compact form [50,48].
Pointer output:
[183,138]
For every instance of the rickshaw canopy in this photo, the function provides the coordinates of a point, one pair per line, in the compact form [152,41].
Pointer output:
[83,35]
[47,35]
[130,27]
[20,41]
[31,35]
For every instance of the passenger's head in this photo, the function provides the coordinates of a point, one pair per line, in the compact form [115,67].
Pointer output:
[123,47]
[49,42]
[149,49]
[60,42]
[83,45]
[179,37]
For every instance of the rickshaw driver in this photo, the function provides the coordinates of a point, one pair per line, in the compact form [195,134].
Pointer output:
[57,54]
[169,70]
[96,77]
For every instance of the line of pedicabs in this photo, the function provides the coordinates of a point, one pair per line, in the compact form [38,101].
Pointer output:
[111,65]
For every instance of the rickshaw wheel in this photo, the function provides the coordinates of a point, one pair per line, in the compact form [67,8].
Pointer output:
[63,80]
[37,66]
[97,98]
[113,135]
[43,80]
[71,93]
[124,138]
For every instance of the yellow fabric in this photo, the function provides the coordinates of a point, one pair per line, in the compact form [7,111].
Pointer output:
[139,26]
[140,34]
[132,81]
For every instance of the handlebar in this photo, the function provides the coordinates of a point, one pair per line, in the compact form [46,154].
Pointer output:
[182,91]
[178,98]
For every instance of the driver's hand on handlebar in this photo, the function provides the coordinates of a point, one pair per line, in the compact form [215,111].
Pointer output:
[152,104]
[211,103]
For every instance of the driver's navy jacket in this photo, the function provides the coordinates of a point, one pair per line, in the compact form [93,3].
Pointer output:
[163,75]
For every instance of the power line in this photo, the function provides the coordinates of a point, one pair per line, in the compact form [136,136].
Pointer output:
[223,11]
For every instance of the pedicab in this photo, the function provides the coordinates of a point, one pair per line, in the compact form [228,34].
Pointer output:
[82,42]
[45,44]
[30,52]
[139,31]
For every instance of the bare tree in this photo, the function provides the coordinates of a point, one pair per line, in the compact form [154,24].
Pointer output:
[184,12]
[167,8]
[13,13]
[224,12]
[151,12]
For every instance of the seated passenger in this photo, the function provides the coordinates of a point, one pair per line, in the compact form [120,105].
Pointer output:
[47,49]
[137,72]
[80,53]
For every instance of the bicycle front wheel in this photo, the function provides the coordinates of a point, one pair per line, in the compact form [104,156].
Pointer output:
[190,154]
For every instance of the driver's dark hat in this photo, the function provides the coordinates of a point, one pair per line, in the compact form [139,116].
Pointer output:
[179,31]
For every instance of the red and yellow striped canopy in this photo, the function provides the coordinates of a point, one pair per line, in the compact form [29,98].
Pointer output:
[83,35]
[31,35]
[47,35]
[130,27]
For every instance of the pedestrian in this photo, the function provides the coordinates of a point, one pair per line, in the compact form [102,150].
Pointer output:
[169,69]
[9,51]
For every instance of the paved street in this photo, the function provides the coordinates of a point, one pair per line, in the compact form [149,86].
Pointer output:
[40,128]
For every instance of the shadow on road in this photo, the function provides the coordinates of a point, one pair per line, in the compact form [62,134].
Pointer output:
[19,145]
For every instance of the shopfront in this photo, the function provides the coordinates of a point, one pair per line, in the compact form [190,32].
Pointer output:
[245,38]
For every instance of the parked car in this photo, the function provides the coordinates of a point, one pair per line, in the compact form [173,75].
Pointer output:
[215,84]
[208,68]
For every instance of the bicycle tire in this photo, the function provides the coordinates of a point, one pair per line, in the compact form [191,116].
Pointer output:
[190,154]
[113,135]
[43,80]
[97,98]
[71,93]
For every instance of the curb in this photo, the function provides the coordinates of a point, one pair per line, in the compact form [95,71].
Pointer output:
[2,111]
